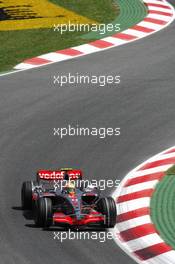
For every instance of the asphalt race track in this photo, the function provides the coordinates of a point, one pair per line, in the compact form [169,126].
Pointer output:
[31,106]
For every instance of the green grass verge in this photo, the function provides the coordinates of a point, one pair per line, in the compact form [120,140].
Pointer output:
[101,10]
[163,208]
[16,46]
[131,13]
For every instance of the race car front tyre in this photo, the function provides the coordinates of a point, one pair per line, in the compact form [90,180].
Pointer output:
[107,207]
[26,195]
[43,213]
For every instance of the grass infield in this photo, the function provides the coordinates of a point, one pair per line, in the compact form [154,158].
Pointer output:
[19,45]
[163,208]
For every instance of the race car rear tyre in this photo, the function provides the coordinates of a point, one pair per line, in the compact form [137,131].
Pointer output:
[107,207]
[26,195]
[43,213]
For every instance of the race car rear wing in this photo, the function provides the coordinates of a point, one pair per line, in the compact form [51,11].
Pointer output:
[58,174]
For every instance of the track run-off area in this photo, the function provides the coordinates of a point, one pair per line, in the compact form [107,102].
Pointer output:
[159,15]
[140,217]
[20,24]
[162,208]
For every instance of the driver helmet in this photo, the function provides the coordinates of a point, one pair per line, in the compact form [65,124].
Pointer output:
[70,188]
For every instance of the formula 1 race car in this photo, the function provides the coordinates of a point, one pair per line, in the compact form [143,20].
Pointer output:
[62,198]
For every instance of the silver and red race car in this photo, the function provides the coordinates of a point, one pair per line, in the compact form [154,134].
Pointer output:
[61,197]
